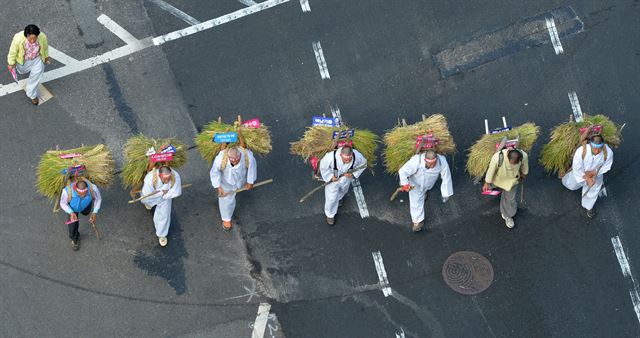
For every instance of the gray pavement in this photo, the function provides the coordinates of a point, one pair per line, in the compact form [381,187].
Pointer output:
[556,273]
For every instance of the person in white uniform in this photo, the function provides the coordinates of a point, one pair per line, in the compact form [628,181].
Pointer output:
[339,167]
[232,169]
[418,176]
[167,185]
[590,162]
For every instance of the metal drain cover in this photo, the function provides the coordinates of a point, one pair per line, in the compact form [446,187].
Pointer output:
[467,272]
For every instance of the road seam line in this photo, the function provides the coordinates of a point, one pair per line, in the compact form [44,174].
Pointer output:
[260,325]
[626,271]
[382,273]
[175,12]
[553,34]
[322,64]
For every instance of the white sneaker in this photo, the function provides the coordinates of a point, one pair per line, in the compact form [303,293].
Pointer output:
[163,241]
[508,221]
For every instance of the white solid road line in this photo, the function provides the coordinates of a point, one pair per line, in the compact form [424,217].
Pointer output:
[260,325]
[362,204]
[322,64]
[553,34]
[136,46]
[216,22]
[575,106]
[175,12]
[305,6]
[248,2]
[60,56]
[117,30]
[382,273]
[626,271]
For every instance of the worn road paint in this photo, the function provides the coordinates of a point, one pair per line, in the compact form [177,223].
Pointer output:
[248,2]
[260,325]
[362,204]
[626,271]
[175,12]
[305,6]
[322,64]
[553,34]
[575,106]
[382,273]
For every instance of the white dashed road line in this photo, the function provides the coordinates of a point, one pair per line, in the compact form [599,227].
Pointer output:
[626,271]
[575,106]
[335,113]
[553,34]
[117,30]
[260,325]
[322,64]
[175,12]
[362,204]
[305,6]
[382,273]
[60,56]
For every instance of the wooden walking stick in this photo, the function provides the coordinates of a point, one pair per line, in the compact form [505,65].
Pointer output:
[396,192]
[153,193]
[261,183]
[95,228]
[316,189]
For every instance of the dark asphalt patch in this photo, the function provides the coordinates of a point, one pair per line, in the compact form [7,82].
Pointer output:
[115,93]
[526,33]
[166,262]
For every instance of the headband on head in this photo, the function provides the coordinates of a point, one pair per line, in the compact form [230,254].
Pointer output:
[165,175]
[595,145]
[75,187]
[430,160]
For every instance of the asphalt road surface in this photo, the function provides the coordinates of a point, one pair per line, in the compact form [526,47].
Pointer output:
[282,271]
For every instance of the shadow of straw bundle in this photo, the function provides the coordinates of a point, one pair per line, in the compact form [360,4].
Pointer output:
[318,140]
[400,141]
[97,159]
[258,140]
[481,152]
[557,155]
[137,161]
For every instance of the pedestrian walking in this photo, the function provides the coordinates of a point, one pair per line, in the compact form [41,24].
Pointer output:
[28,53]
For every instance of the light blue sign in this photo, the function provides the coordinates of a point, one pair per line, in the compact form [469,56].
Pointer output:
[499,130]
[324,121]
[343,134]
[225,137]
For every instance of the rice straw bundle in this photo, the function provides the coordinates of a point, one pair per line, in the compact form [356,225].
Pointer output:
[481,152]
[258,140]
[97,159]
[557,155]
[318,140]
[137,163]
[401,141]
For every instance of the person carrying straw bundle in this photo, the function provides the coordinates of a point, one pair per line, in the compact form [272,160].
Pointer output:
[501,156]
[70,178]
[152,164]
[234,168]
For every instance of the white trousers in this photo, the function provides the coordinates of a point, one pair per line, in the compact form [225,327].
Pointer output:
[417,196]
[588,200]
[227,205]
[35,68]
[333,193]
[162,218]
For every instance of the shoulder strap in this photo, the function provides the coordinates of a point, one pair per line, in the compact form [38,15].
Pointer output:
[584,151]
[605,152]
[353,160]
[246,158]
[69,192]
[154,180]
[225,157]
[335,162]
[173,181]
[500,158]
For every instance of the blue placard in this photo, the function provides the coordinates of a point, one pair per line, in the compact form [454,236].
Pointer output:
[499,130]
[169,149]
[342,134]
[225,137]
[324,121]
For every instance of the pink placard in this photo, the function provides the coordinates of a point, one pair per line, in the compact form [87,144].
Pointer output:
[491,192]
[70,155]
[314,162]
[253,123]
[161,157]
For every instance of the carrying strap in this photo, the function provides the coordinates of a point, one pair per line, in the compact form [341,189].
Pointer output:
[69,189]
[584,151]
[225,157]
[335,162]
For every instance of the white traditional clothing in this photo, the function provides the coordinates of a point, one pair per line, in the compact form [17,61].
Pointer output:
[422,179]
[231,178]
[332,165]
[162,214]
[574,180]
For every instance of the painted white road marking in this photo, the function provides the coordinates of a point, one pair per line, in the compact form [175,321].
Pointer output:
[137,46]
[217,21]
[305,6]
[322,64]
[362,204]
[335,113]
[400,334]
[575,106]
[486,126]
[504,122]
[553,34]
[248,2]
[175,12]
[260,324]
[60,56]
[382,273]
[117,30]
[626,271]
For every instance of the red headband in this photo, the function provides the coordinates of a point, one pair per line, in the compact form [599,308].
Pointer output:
[75,187]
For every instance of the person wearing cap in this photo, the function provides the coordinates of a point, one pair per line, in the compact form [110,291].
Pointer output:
[233,168]
[506,175]
[590,162]
[79,196]
[418,176]
[28,53]
[167,185]
[338,168]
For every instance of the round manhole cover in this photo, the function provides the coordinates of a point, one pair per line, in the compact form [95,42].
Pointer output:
[467,272]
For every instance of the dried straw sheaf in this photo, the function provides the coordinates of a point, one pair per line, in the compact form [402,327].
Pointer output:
[258,140]
[97,159]
[480,152]
[556,156]
[137,162]
[317,141]
[400,142]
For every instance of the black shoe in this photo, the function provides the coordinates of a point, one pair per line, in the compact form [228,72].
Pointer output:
[331,220]
[340,202]
[75,245]
[591,213]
